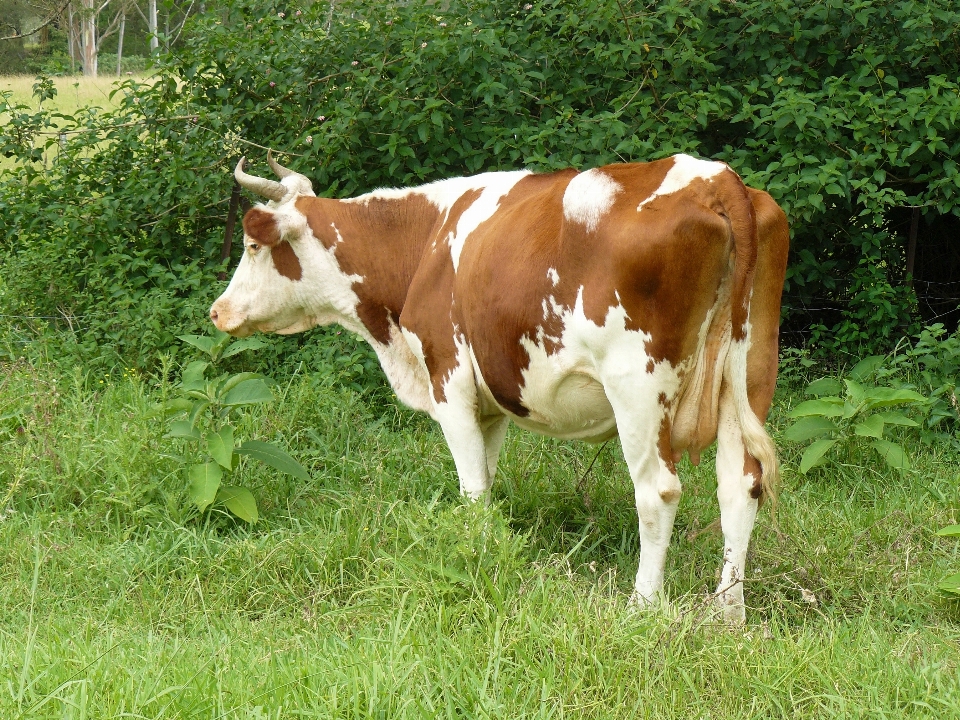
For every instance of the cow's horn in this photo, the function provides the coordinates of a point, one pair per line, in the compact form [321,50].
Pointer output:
[269,189]
[280,171]
[301,183]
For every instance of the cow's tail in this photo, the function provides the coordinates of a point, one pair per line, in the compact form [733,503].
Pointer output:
[739,211]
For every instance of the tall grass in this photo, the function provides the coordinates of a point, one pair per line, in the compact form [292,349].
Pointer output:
[373,591]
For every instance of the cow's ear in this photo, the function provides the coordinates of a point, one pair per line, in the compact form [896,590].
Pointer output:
[261,226]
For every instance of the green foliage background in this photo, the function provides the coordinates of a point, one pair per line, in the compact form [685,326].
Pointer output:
[843,111]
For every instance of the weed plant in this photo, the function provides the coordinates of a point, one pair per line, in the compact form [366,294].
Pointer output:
[371,590]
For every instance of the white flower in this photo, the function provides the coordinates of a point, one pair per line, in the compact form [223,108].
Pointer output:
[280,15]
[309,139]
[423,45]
[355,63]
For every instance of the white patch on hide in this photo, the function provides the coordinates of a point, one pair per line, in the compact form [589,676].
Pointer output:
[588,197]
[403,364]
[564,391]
[685,170]
[553,276]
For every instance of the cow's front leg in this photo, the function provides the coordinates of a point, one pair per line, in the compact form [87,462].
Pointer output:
[738,509]
[463,429]
[640,417]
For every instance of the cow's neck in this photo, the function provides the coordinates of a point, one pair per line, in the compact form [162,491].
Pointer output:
[381,240]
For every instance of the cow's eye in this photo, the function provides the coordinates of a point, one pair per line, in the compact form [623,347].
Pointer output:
[253,247]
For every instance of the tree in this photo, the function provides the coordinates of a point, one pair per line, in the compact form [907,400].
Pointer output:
[84,35]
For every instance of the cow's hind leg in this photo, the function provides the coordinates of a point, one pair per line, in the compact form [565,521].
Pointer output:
[737,490]
[641,421]
[494,433]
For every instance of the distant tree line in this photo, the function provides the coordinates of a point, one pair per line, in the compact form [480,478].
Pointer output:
[88,36]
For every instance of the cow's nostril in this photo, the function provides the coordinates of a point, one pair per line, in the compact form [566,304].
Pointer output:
[213,315]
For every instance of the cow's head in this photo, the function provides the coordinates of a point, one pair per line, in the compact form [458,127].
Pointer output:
[274,289]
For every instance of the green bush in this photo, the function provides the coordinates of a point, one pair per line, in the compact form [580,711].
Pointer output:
[842,111]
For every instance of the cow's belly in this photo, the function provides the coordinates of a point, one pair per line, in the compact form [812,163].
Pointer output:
[564,399]
[572,406]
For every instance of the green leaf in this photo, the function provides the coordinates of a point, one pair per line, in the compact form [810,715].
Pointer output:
[274,457]
[198,407]
[242,345]
[895,418]
[204,483]
[205,344]
[887,396]
[248,392]
[220,341]
[866,367]
[895,455]
[192,378]
[824,407]
[183,429]
[240,502]
[177,405]
[951,584]
[824,386]
[855,391]
[814,455]
[234,380]
[809,427]
[871,427]
[949,531]
[220,447]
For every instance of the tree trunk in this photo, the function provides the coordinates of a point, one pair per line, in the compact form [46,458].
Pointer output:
[88,38]
[123,26]
[72,40]
[152,25]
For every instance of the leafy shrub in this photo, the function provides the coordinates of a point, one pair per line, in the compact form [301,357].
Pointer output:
[209,405]
[843,112]
[848,413]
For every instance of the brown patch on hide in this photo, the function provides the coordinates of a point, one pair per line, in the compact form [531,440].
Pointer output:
[430,309]
[286,260]
[502,283]
[261,226]
[383,241]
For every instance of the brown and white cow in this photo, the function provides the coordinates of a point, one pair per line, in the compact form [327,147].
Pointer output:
[638,299]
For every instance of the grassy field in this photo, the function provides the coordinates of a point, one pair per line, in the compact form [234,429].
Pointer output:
[73,93]
[373,591]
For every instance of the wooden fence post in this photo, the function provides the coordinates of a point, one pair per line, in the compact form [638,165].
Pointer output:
[228,231]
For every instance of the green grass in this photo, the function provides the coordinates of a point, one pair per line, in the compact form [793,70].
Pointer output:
[373,591]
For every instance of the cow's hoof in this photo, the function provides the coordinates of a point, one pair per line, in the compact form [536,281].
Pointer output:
[643,603]
[731,609]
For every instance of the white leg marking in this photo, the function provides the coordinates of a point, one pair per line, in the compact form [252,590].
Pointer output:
[634,395]
[459,418]
[494,433]
[738,511]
